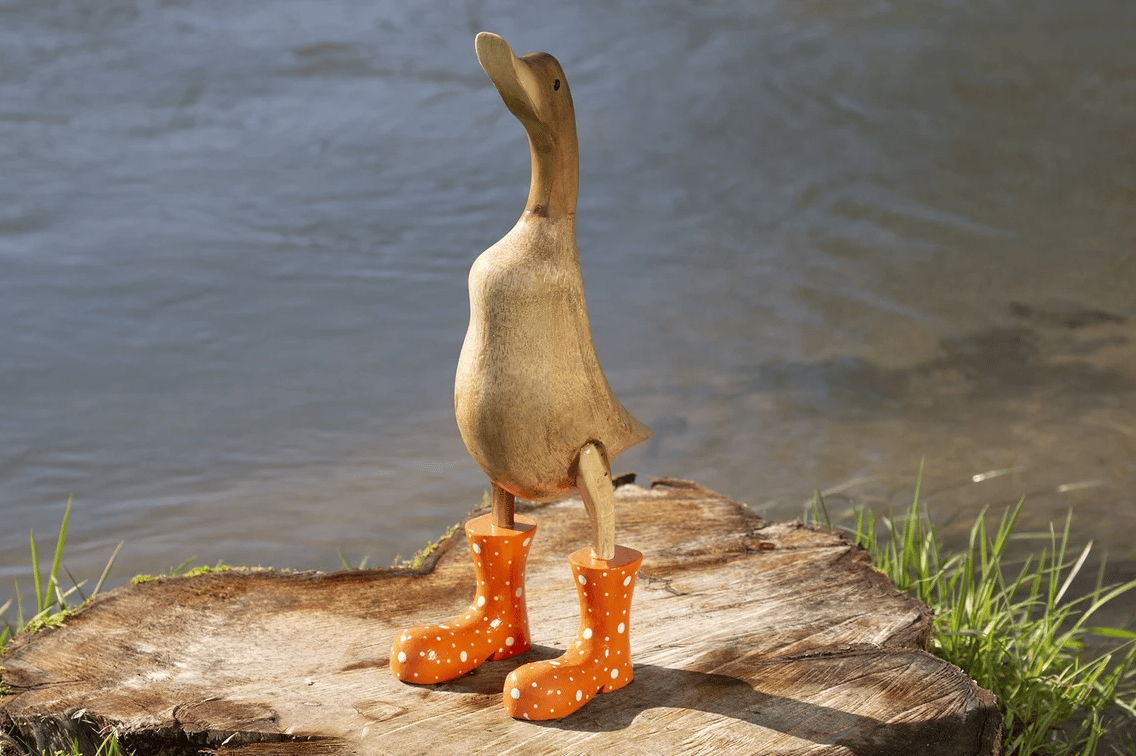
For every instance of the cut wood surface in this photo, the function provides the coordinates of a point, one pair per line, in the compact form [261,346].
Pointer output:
[748,637]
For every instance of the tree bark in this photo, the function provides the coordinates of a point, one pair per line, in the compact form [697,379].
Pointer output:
[748,637]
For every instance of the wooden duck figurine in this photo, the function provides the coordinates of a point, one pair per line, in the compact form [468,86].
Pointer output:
[530,394]
[537,414]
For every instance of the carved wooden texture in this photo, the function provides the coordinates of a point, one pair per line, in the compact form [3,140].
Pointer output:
[748,637]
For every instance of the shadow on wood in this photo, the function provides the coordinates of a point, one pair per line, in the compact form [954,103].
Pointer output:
[748,637]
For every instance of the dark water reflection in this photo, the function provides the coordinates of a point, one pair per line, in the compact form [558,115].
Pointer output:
[821,240]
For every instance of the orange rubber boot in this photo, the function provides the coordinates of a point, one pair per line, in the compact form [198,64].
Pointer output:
[497,623]
[599,660]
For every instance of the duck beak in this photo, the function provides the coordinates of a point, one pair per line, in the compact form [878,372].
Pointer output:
[513,78]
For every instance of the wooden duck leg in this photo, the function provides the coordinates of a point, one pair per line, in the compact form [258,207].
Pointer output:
[593,479]
[503,504]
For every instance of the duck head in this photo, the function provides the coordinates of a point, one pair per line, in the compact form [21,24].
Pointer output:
[535,90]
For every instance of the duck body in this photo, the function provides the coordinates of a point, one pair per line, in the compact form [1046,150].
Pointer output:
[529,392]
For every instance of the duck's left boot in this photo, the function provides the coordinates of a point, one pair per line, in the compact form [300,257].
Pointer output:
[496,625]
[599,660]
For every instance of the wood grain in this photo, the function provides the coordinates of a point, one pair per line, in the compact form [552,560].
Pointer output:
[747,636]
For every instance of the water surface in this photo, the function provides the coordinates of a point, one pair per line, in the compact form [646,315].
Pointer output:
[822,241]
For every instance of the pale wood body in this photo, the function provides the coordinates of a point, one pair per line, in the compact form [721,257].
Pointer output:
[529,392]
[748,637]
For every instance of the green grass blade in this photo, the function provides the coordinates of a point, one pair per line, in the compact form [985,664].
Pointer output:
[1074,572]
[77,586]
[820,509]
[919,479]
[106,570]
[8,631]
[19,607]
[55,563]
[182,568]
[1102,599]
[35,574]
[1111,632]
[60,596]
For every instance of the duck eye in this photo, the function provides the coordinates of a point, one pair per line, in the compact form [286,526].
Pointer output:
[556,85]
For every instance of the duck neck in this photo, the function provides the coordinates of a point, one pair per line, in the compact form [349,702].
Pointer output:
[555,171]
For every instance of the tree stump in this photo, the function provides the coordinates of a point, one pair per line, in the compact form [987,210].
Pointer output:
[747,636]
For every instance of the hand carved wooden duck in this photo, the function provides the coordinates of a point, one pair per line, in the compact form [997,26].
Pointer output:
[538,416]
[530,394]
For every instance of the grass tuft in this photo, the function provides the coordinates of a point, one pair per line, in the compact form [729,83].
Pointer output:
[1017,632]
[419,557]
[347,565]
[53,603]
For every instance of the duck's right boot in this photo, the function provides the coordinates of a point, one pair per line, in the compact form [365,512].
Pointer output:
[599,660]
[496,626]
